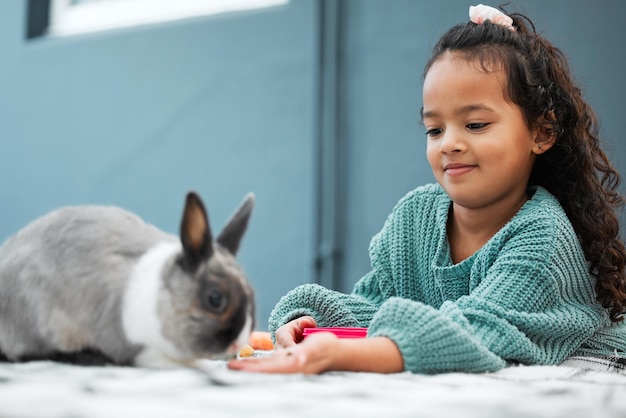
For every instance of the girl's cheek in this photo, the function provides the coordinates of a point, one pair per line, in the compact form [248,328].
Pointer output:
[432,153]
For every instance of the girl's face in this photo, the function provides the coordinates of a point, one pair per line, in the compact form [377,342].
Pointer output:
[479,147]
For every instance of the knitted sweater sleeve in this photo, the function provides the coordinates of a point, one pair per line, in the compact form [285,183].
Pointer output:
[332,308]
[327,307]
[337,309]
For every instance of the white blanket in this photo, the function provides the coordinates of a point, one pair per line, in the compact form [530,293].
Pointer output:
[579,388]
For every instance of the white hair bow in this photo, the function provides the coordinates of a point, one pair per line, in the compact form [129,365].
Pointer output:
[479,13]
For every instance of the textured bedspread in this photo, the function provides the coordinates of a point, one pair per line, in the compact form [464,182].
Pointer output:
[578,388]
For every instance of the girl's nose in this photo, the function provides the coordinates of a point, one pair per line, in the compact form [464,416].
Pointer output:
[452,141]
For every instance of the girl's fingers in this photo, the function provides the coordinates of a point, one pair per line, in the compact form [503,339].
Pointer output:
[283,361]
[291,333]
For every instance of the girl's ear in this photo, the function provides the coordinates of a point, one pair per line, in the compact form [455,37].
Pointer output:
[545,134]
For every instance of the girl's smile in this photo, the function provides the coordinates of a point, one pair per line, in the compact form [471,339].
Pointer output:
[458,169]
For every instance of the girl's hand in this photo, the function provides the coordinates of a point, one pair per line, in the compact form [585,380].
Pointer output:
[291,333]
[323,351]
[311,356]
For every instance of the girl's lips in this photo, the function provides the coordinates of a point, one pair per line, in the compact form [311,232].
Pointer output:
[458,169]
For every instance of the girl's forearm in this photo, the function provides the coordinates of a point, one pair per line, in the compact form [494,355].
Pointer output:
[377,355]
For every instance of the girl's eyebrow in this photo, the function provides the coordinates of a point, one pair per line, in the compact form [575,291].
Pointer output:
[462,110]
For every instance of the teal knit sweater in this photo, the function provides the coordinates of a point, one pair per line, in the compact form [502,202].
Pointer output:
[525,297]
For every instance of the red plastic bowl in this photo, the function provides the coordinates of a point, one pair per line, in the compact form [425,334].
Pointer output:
[341,332]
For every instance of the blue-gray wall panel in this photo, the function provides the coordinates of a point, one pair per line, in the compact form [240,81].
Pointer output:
[223,105]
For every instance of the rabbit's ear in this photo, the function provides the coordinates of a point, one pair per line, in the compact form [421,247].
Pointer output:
[195,232]
[233,231]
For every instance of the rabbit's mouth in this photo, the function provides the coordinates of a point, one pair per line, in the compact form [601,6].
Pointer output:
[243,338]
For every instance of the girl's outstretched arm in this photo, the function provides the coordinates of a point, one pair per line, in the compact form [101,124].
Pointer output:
[323,351]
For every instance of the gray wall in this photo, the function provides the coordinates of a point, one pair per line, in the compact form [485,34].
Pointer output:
[232,104]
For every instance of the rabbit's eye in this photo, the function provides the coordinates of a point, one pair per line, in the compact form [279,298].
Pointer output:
[215,300]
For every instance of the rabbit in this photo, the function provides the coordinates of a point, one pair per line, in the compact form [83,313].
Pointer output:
[97,282]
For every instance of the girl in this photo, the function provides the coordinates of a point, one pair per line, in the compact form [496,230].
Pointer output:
[512,257]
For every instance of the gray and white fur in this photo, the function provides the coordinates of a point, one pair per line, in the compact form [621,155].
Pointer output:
[97,279]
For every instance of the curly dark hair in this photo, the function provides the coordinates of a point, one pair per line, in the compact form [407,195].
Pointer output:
[575,170]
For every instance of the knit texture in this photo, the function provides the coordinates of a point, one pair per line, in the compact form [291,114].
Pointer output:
[525,297]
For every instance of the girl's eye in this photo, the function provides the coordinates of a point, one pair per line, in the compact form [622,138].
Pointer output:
[476,126]
[433,132]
